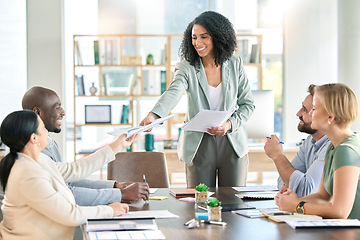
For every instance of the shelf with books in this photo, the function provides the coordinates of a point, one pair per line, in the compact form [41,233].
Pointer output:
[134,70]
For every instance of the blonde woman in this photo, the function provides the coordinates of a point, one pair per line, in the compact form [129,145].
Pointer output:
[335,108]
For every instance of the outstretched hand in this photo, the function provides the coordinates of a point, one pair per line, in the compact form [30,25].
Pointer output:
[133,191]
[147,120]
[122,142]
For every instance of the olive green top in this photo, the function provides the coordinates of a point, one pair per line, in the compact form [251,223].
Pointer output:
[347,153]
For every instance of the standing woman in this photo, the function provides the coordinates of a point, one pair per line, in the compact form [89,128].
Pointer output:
[213,79]
[335,108]
[38,204]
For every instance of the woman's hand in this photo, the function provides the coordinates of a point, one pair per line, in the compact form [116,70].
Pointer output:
[151,117]
[119,208]
[122,142]
[220,131]
[287,200]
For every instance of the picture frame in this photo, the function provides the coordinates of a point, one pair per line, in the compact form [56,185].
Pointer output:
[97,113]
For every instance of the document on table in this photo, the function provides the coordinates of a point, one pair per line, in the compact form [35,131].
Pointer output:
[332,223]
[109,235]
[121,225]
[157,214]
[134,130]
[257,195]
[206,119]
[259,188]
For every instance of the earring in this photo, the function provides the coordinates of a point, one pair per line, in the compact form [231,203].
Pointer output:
[329,122]
[39,144]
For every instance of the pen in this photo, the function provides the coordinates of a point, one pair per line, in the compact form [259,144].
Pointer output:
[144,180]
[202,208]
[280,141]
[214,222]
[281,213]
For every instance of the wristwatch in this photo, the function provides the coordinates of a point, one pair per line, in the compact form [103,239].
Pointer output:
[300,207]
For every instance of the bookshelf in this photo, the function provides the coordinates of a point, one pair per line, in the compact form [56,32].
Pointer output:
[116,65]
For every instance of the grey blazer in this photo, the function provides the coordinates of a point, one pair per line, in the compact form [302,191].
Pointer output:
[192,80]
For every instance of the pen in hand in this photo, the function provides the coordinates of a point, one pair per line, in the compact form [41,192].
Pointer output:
[280,141]
[144,180]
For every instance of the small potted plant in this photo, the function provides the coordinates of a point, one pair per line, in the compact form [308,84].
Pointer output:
[214,210]
[201,193]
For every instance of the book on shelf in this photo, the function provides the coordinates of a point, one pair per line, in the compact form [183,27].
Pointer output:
[108,52]
[125,114]
[255,53]
[162,81]
[96,52]
[78,59]
[152,81]
[80,84]
[134,84]
[243,50]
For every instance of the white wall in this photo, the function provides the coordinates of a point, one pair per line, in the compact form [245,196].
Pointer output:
[13,55]
[45,48]
[310,55]
[349,47]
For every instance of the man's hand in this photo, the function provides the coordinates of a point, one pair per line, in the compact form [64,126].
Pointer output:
[273,148]
[220,131]
[133,191]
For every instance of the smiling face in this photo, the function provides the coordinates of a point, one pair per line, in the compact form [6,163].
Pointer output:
[305,116]
[319,115]
[52,113]
[202,41]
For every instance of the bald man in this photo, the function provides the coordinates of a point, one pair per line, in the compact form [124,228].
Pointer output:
[47,105]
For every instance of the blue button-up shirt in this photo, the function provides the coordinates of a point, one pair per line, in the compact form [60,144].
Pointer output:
[309,165]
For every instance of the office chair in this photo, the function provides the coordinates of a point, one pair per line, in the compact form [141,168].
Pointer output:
[131,166]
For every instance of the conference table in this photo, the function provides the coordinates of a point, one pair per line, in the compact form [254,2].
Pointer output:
[238,227]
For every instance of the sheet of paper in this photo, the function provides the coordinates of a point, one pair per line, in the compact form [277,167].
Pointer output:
[259,188]
[324,223]
[206,119]
[129,131]
[153,190]
[121,225]
[110,235]
[157,214]
[253,213]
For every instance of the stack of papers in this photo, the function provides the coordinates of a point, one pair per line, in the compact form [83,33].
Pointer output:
[206,119]
[132,225]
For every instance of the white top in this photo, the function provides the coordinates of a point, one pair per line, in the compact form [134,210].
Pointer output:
[216,97]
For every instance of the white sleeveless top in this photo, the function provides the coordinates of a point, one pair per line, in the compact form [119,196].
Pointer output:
[216,97]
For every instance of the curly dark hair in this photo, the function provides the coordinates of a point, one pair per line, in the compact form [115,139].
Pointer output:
[219,28]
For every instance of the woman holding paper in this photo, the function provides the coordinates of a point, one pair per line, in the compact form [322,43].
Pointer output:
[38,204]
[213,79]
[335,108]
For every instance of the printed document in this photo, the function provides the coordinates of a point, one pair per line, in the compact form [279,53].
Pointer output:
[206,119]
[134,130]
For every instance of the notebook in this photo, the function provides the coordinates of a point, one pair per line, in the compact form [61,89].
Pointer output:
[235,206]
[277,215]
[182,192]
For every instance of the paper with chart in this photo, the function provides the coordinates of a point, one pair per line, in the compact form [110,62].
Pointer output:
[134,130]
[206,119]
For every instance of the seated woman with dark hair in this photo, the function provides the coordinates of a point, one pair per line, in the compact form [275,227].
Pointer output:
[38,204]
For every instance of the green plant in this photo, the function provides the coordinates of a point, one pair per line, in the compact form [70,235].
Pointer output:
[201,187]
[214,202]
